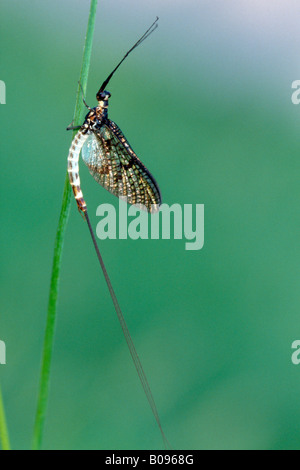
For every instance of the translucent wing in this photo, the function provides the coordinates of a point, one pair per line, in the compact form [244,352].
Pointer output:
[113,164]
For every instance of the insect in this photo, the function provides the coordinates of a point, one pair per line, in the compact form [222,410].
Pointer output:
[109,156]
[113,164]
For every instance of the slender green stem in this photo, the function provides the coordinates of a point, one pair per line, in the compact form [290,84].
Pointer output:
[59,241]
[4,438]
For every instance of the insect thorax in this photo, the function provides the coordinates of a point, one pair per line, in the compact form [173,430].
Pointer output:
[94,119]
[98,115]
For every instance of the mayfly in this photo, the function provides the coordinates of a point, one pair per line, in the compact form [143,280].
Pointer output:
[113,164]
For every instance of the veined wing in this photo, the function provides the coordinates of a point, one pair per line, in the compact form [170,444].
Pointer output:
[113,164]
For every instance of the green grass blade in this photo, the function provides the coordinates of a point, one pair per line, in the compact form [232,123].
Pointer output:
[4,438]
[60,235]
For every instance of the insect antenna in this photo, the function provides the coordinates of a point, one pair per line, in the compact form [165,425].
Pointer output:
[133,352]
[145,36]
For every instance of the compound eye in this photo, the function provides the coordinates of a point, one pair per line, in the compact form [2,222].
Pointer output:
[98,96]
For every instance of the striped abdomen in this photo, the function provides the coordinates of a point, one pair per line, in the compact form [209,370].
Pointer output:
[73,168]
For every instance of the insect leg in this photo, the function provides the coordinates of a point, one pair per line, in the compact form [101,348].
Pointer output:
[73,128]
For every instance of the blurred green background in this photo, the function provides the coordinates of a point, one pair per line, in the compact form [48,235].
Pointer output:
[206,104]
